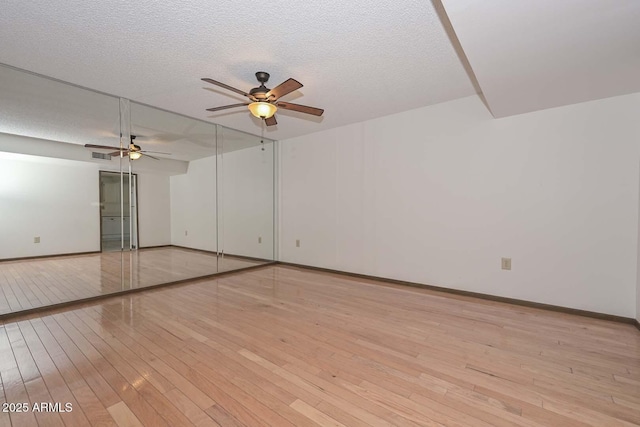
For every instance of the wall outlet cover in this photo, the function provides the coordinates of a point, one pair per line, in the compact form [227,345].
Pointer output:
[506,263]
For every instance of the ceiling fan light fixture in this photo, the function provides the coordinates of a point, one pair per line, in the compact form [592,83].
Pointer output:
[262,110]
[264,100]
[134,152]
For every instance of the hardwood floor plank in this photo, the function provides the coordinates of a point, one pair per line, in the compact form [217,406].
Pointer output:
[123,415]
[196,415]
[96,382]
[315,415]
[148,384]
[218,377]
[583,414]
[14,387]
[5,420]
[45,389]
[224,418]
[344,400]
[151,353]
[86,399]
[126,391]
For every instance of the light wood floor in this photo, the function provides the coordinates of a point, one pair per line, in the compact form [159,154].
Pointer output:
[33,283]
[279,347]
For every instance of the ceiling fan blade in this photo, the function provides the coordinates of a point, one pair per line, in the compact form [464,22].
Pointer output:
[147,155]
[115,153]
[271,121]
[103,147]
[232,89]
[284,88]
[300,108]
[224,107]
[154,152]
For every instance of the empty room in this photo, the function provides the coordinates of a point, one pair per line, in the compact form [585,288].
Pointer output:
[418,213]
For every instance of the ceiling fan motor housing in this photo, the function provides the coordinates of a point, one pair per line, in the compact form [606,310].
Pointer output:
[262,77]
[260,91]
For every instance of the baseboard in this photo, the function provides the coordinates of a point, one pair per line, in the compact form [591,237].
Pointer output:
[248,258]
[154,247]
[193,249]
[525,303]
[49,256]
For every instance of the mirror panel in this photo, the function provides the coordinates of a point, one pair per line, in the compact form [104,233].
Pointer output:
[246,198]
[49,191]
[195,187]
[176,197]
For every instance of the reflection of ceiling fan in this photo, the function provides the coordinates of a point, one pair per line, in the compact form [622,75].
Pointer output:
[133,151]
[264,101]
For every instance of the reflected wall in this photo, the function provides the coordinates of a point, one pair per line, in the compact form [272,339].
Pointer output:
[198,198]
[246,194]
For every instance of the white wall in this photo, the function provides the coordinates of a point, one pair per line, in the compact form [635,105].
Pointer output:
[193,206]
[247,202]
[439,194]
[56,200]
[154,210]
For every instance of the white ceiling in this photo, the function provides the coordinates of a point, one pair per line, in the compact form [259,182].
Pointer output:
[532,55]
[357,60]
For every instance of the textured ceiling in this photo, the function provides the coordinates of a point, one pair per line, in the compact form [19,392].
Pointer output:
[531,55]
[42,108]
[357,60]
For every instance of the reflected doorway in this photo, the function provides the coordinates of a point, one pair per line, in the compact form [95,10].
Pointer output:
[118,212]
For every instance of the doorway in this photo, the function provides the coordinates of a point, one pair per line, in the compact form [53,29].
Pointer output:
[118,212]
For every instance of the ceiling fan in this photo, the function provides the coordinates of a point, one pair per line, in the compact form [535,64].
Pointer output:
[264,101]
[133,151]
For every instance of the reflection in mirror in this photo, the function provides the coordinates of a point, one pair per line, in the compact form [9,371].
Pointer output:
[246,197]
[197,191]
[180,238]
[118,215]
[49,191]
[177,205]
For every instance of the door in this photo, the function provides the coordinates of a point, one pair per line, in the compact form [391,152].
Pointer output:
[118,212]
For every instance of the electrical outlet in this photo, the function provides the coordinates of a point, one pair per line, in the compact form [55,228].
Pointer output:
[186,233]
[297,243]
[36,239]
[506,263]
[259,239]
